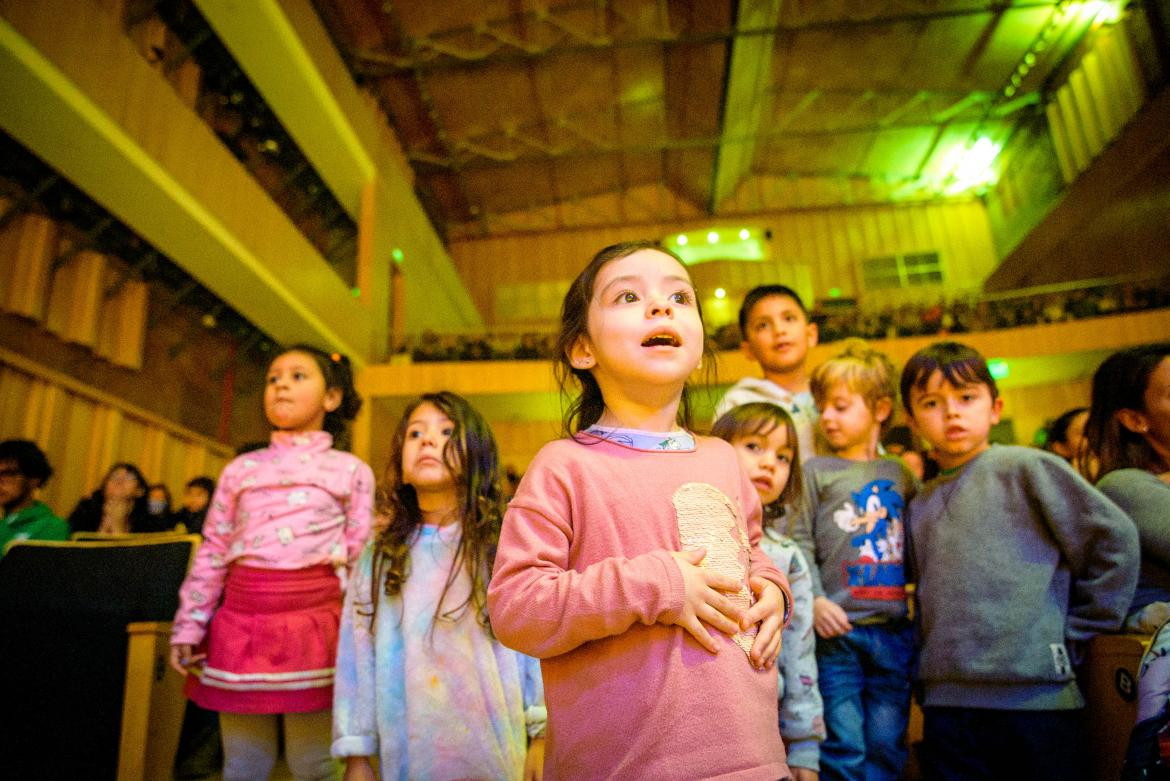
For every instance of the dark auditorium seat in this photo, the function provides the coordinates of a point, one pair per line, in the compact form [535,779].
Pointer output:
[64,611]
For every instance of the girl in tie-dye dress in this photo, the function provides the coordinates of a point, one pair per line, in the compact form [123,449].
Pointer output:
[422,683]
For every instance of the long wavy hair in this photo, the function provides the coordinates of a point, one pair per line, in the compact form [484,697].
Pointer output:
[472,458]
[587,406]
[1120,383]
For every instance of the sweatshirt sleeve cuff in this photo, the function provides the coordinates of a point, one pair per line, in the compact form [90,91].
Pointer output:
[805,753]
[355,746]
[535,719]
[673,591]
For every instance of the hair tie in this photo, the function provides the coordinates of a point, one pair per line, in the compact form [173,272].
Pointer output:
[335,357]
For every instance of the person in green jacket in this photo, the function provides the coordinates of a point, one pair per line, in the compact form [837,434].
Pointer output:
[23,470]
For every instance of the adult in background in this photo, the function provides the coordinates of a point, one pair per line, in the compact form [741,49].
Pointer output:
[23,470]
[118,506]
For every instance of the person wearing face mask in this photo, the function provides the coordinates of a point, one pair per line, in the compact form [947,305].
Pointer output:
[158,505]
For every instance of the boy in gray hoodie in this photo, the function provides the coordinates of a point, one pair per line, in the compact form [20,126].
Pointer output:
[1019,561]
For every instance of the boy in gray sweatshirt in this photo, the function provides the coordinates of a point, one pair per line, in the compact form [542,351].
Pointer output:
[1019,561]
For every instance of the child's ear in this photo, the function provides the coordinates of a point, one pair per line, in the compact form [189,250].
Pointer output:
[332,399]
[581,353]
[996,409]
[883,409]
[1133,420]
[745,349]
[814,334]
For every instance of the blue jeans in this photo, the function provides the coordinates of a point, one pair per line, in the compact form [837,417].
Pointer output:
[865,683]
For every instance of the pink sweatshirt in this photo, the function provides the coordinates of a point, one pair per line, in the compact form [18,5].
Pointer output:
[295,504]
[582,576]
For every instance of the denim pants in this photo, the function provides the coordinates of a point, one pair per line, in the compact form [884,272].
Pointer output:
[865,684]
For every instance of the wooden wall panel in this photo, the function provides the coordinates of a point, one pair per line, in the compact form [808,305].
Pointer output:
[88,299]
[121,330]
[75,292]
[1030,408]
[27,246]
[84,430]
[1101,94]
[519,441]
[832,243]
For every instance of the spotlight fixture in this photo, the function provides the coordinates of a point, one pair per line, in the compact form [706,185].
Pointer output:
[723,243]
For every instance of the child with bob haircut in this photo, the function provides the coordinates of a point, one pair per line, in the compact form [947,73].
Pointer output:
[765,440]
[421,681]
[1018,562]
[629,561]
[850,526]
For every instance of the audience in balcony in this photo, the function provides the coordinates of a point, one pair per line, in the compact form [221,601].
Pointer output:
[937,318]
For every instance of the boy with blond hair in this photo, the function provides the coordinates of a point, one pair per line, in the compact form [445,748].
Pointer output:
[777,334]
[849,526]
[1018,562]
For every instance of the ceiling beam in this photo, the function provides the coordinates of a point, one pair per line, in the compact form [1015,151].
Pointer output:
[746,85]
[277,60]
[438,51]
[478,156]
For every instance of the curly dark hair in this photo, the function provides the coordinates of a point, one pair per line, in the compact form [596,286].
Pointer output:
[586,407]
[30,460]
[338,373]
[472,457]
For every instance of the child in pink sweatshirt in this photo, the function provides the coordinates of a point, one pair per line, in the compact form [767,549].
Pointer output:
[629,560]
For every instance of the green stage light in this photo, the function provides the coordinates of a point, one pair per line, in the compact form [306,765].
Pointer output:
[998,368]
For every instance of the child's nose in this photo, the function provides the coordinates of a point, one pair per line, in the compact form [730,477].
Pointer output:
[661,308]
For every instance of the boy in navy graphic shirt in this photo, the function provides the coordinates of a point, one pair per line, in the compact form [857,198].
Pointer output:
[851,527]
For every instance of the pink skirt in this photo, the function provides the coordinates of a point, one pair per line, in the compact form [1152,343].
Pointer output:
[272,644]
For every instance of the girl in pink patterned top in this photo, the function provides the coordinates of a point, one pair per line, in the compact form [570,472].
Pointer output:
[629,559]
[259,612]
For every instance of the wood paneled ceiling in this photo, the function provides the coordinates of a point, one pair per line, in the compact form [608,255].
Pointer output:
[525,115]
